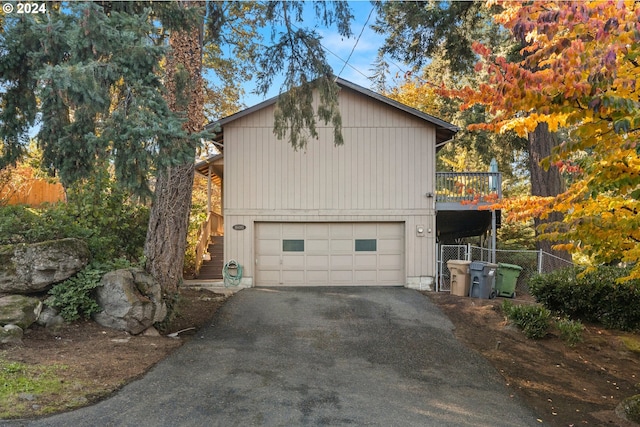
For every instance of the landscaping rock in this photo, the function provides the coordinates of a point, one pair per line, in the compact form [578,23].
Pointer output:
[629,409]
[11,334]
[131,300]
[19,310]
[32,268]
[46,315]
[50,319]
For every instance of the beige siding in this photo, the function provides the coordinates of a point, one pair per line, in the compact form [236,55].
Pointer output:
[381,174]
[386,163]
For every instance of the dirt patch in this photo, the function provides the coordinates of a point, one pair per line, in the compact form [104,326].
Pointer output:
[566,386]
[97,360]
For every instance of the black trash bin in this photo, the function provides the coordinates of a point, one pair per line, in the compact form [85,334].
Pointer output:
[483,279]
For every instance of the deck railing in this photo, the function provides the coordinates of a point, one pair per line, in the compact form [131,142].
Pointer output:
[457,187]
[212,226]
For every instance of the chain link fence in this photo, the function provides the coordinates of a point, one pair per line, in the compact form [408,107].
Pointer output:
[532,262]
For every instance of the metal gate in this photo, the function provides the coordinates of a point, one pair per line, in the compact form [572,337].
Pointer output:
[446,253]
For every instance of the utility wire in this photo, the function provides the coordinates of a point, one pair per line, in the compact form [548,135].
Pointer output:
[357,40]
[346,62]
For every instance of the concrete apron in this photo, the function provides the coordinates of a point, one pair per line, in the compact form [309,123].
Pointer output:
[316,356]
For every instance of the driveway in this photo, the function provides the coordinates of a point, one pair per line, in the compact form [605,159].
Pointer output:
[316,356]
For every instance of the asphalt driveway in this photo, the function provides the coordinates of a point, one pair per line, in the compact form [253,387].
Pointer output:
[316,356]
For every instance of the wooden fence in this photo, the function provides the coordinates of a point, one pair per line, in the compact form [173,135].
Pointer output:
[33,192]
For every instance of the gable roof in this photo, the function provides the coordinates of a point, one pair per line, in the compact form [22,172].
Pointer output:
[444,130]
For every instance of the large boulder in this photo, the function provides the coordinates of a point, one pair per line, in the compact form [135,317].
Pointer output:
[32,268]
[131,300]
[19,310]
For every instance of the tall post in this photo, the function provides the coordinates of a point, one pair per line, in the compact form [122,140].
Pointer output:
[493,236]
[209,189]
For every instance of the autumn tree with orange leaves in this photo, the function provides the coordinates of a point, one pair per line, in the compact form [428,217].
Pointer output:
[579,73]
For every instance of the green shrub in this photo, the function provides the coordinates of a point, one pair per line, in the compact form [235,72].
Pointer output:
[593,297]
[97,211]
[197,216]
[113,224]
[74,298]
[534,320]
[570,331]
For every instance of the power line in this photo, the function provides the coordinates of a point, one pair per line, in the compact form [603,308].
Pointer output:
[357,40]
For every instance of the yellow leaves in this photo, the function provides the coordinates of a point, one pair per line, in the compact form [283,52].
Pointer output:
[419,95]
[523,125]
[580,72]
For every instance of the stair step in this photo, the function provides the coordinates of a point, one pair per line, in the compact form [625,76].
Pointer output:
[212,269]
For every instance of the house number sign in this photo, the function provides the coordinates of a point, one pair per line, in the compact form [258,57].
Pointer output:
[239,227]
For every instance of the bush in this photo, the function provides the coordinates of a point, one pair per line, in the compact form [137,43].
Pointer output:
[98,212]
[113,225]
[534,320]
[570,331]
[74,298]
[593,297]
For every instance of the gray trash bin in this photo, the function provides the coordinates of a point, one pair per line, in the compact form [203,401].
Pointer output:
[483,279]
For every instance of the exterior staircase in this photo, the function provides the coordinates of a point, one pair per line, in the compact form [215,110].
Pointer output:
[212,269]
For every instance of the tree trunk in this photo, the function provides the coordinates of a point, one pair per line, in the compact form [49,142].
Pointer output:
[546,183]
[168,223]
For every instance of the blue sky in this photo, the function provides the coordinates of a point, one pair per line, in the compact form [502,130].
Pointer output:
[337,49]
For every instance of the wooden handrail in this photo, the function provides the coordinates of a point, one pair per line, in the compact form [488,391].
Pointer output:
[212,226]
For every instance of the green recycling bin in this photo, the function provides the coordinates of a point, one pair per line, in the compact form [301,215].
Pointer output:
[506,279]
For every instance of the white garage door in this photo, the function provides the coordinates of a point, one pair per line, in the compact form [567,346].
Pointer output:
[316,254]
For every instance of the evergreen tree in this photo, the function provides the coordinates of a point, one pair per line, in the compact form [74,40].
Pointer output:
[121,82]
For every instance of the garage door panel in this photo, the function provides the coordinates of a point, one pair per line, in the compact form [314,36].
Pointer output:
[295,276]
[273,231]
[342,261]
[388,261]
[317,245]
[270,277]
[269,261]
[390,230]
[269,246]
[366,277]
[319,230]
[338,276]
[317,261]
[365,230]
[320,277]
[365,261]
[295,261]
[341,245]
[293,229]
[317,254]
[389,276]
[341,230]
[390,245]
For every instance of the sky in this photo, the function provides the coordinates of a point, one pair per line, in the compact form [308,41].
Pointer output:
[337,49]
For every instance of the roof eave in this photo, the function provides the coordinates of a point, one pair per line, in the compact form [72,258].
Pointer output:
[444,130]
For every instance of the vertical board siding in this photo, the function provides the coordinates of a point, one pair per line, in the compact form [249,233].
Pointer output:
[378,167]
[387,164]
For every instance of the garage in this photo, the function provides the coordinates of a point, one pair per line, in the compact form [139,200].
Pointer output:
[336,253]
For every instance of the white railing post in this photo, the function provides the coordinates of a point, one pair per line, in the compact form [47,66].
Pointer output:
[540,254]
